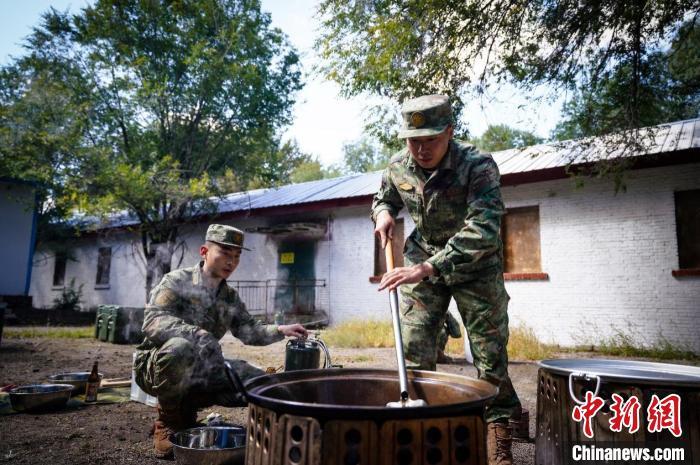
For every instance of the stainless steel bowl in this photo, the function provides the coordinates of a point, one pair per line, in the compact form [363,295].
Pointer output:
[78,379]
[36,397]
[210,445]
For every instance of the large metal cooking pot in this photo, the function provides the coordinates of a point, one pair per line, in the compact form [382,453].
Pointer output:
[562,385]
[340,416]
[364,393]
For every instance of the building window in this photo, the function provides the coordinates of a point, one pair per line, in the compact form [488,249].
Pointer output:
[104,259]
[59,269]
[520,232]
[688,229]
[397,246]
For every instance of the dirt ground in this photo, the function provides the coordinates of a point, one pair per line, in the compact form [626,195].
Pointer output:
[119,433]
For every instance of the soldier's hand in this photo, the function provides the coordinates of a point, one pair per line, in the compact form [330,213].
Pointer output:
[295,330]
[384,226]
[405,275]
[208,346]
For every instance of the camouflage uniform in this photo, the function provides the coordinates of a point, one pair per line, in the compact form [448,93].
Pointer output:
[179,366]
[457,210]
[449,329]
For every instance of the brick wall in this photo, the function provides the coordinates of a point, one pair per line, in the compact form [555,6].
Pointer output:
[608,256]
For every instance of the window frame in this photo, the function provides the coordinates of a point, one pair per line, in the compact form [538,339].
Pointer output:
[686,269]
[103,270]
[59,258]
[520,275]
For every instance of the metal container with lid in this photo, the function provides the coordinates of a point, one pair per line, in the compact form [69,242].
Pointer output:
[562,384]
[302,354]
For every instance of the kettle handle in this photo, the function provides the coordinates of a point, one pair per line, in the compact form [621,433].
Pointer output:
[236,381]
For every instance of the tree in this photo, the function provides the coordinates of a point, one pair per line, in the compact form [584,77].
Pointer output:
[40,130]
[502,137]
[402,49]
[363,156]
[310,170]
[279,167]
[174,102]
[666,90]
[313,170]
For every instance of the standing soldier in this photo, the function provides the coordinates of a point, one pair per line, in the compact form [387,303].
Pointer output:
[452,192]
[180,360]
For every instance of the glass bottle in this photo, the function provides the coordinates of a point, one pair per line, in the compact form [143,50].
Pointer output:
[93,382]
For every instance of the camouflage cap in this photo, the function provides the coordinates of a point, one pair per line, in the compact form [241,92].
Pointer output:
[225,235]
[427,115]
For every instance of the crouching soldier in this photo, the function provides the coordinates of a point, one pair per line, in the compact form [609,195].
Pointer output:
[180,360]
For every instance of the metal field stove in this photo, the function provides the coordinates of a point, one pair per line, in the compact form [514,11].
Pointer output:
[339,416]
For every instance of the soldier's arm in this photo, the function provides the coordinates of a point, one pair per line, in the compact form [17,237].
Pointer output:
[160,322]
[479,237]
[387,197]
[249,330]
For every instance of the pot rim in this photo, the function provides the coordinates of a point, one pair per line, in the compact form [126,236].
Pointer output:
[199,428]
[16,392]
[642,372]
[256,387]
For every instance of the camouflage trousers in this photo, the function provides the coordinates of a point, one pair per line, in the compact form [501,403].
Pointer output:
[180,378]
[483,305]
[449,329]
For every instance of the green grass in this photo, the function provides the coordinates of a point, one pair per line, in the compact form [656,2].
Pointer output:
[624,345]
[359,334]
[523,345]
[49,332]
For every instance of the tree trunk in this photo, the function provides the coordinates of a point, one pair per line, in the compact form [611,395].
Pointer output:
[158,261]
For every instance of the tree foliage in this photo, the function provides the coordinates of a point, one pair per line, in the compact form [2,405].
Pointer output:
[502,137]
[312,170]
[401,49]
[161,105]
[666,90]
[363,156]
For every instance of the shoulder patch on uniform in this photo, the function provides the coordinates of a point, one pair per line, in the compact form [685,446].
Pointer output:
[406,186]
[165,297]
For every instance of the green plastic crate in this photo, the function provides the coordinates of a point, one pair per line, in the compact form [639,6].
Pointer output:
[124,326]
[105,316]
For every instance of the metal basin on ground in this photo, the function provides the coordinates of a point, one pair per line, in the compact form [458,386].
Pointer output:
[40,397]
[210,445]
[77,379]
[340,416]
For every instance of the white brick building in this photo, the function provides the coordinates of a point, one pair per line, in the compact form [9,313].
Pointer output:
[582,263]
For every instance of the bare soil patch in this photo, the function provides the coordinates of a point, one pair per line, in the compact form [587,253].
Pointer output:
[119,433]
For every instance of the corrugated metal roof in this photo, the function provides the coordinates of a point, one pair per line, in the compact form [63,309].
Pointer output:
[356,185]
[667,138]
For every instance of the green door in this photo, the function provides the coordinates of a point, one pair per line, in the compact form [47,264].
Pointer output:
[295,293]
